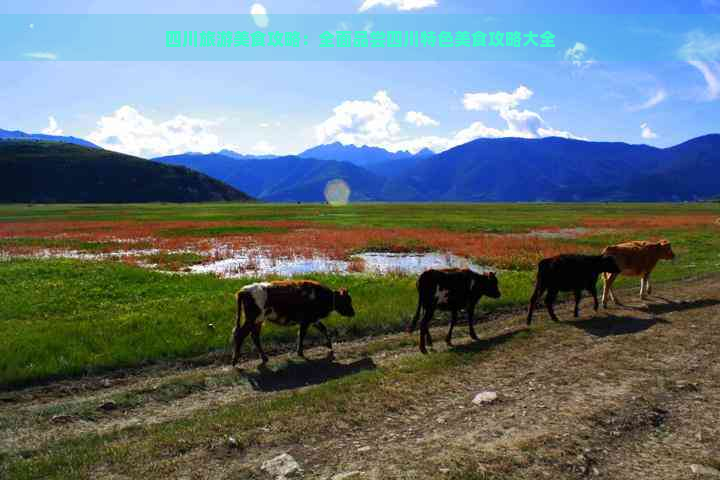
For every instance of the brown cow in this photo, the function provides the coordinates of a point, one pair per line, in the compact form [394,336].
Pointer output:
[450,289]
[289,302]
[635,259]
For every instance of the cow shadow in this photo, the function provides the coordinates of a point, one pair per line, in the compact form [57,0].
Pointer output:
[488,343]
[671,306]
[613,325]
[300,373]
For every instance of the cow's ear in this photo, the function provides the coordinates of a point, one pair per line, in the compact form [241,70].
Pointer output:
[343,291]
[664,242]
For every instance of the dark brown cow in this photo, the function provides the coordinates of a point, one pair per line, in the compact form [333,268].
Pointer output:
[569,273]
[450,289]
[302,302]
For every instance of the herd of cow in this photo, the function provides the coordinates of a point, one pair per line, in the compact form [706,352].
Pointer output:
[306,303]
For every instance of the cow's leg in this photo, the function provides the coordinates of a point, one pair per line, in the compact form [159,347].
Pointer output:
[256,340]
[609,289]
[593,291]
[549,301]
[324,331]
[453,320]
[578,296]
[304,324]
[539,290]
[648,287]
[239,337]
[642,288]
[425,338]
[605,277]
[471,321]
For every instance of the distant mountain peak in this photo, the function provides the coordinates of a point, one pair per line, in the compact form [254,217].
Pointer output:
[19,135]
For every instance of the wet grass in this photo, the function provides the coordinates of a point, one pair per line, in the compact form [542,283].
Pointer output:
[172,261]
[54,243]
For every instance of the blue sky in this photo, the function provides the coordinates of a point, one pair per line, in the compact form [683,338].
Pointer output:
[156,108]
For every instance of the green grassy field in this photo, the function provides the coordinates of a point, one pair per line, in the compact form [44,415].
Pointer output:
[450,216]
[61,318]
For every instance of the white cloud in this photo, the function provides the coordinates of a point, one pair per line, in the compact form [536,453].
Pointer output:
[711,72]
[264,125]
[658,97]
[577,55]
[398,4]
[702,51]
[646,132]
[701,46]
[52,128]
[361,122]
[128,131]
[263,148]
[374,123]
[497,100]
[42,55]
[520,123]
[259,15]
[549,108]
[419,119]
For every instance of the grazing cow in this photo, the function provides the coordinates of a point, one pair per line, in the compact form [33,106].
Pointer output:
[635,259]
[569,273]
[451,290]
[290,302]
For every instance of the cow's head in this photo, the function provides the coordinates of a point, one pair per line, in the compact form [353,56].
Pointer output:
[665,250]
[608,264]
[343,303]
[488,282]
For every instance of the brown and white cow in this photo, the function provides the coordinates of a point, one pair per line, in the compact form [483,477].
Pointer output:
[288,302]
[450,289]
[635,259]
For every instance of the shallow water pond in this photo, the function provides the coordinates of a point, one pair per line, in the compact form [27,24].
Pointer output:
[258,264]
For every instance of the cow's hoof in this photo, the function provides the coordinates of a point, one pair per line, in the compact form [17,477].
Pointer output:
[449,343]
[475,337]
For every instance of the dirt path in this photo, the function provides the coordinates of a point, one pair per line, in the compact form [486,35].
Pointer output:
[631,392]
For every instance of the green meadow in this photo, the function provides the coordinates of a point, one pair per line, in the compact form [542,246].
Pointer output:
[64,318]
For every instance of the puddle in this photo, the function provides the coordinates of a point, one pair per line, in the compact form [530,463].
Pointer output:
[415,263]
[256,263]
[259,262]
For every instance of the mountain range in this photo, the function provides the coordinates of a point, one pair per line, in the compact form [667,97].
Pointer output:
[498,169]
[50,172]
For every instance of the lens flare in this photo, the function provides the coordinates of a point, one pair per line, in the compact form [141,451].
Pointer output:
[259,15]
[337,192]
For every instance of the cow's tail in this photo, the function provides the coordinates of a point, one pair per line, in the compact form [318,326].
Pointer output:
[239,301]
[238,314]
[411,326]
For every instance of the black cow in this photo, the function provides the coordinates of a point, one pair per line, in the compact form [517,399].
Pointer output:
[569,273]
[302,302]
[450,289]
